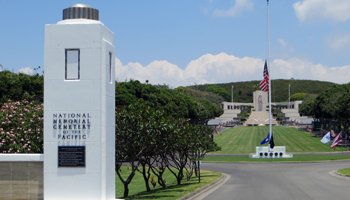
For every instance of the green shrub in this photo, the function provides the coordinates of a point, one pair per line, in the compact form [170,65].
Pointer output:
[21,127]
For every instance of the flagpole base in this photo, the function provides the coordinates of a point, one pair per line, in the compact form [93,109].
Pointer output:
[266,152]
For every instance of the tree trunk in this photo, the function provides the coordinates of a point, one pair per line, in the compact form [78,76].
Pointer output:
[189,169]
[199,171]
[126,189]
[146,175]
[179,176]
[127,181]
[195,168]
[161,181]
[159,171]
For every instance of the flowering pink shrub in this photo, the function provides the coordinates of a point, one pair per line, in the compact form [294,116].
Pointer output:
[21,127]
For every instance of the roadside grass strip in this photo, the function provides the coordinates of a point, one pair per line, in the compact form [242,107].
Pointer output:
[171,192]
[344,172]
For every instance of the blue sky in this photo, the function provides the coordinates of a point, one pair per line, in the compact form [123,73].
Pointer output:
[185,42]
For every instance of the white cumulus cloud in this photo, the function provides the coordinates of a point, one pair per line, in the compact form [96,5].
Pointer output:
[157,72]
[224,68]
[335,10]
[303,69]
[237,8]
[26,70]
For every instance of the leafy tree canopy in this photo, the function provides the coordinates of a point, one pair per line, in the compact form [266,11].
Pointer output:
[175,102]
[17,87]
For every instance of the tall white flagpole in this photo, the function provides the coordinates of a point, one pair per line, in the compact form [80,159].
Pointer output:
[268,68]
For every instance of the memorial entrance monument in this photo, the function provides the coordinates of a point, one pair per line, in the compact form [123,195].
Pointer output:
[79,107]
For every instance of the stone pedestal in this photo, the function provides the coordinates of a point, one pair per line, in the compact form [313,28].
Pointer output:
[266,152]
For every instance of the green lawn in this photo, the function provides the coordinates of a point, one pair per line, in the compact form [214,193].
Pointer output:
[344,172]
[137,186]
[243,140]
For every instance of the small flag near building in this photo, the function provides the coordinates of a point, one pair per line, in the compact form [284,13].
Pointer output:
[326,138]
[336,141]
[264,84]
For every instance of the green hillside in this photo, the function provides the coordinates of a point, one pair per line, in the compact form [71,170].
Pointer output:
[243,91]
[202,101]
[203,95]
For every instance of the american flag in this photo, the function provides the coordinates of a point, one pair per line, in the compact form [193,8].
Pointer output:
[336,141]
[264,84]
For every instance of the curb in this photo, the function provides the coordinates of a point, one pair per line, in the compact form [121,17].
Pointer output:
[204,191]
[338,175]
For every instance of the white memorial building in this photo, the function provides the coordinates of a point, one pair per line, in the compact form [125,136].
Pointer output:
[259,110]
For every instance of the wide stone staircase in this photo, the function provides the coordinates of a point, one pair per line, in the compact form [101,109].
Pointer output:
[259,118]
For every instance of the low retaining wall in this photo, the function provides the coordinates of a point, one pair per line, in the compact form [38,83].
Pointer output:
[21,176]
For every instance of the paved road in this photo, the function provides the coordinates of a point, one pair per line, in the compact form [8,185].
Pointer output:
[281,181]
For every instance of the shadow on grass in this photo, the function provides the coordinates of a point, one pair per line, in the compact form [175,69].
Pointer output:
[210,175]
[157,193]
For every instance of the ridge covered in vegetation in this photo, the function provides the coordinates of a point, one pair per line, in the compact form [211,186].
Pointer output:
[243,91]
[20,86]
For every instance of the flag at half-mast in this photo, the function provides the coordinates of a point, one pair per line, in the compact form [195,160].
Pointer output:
[264,83]
[269,139]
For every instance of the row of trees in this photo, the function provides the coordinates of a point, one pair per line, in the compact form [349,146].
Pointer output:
[18,87]
[194,105]
[331,108]
[150,141]
[161,129]
[178,102]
